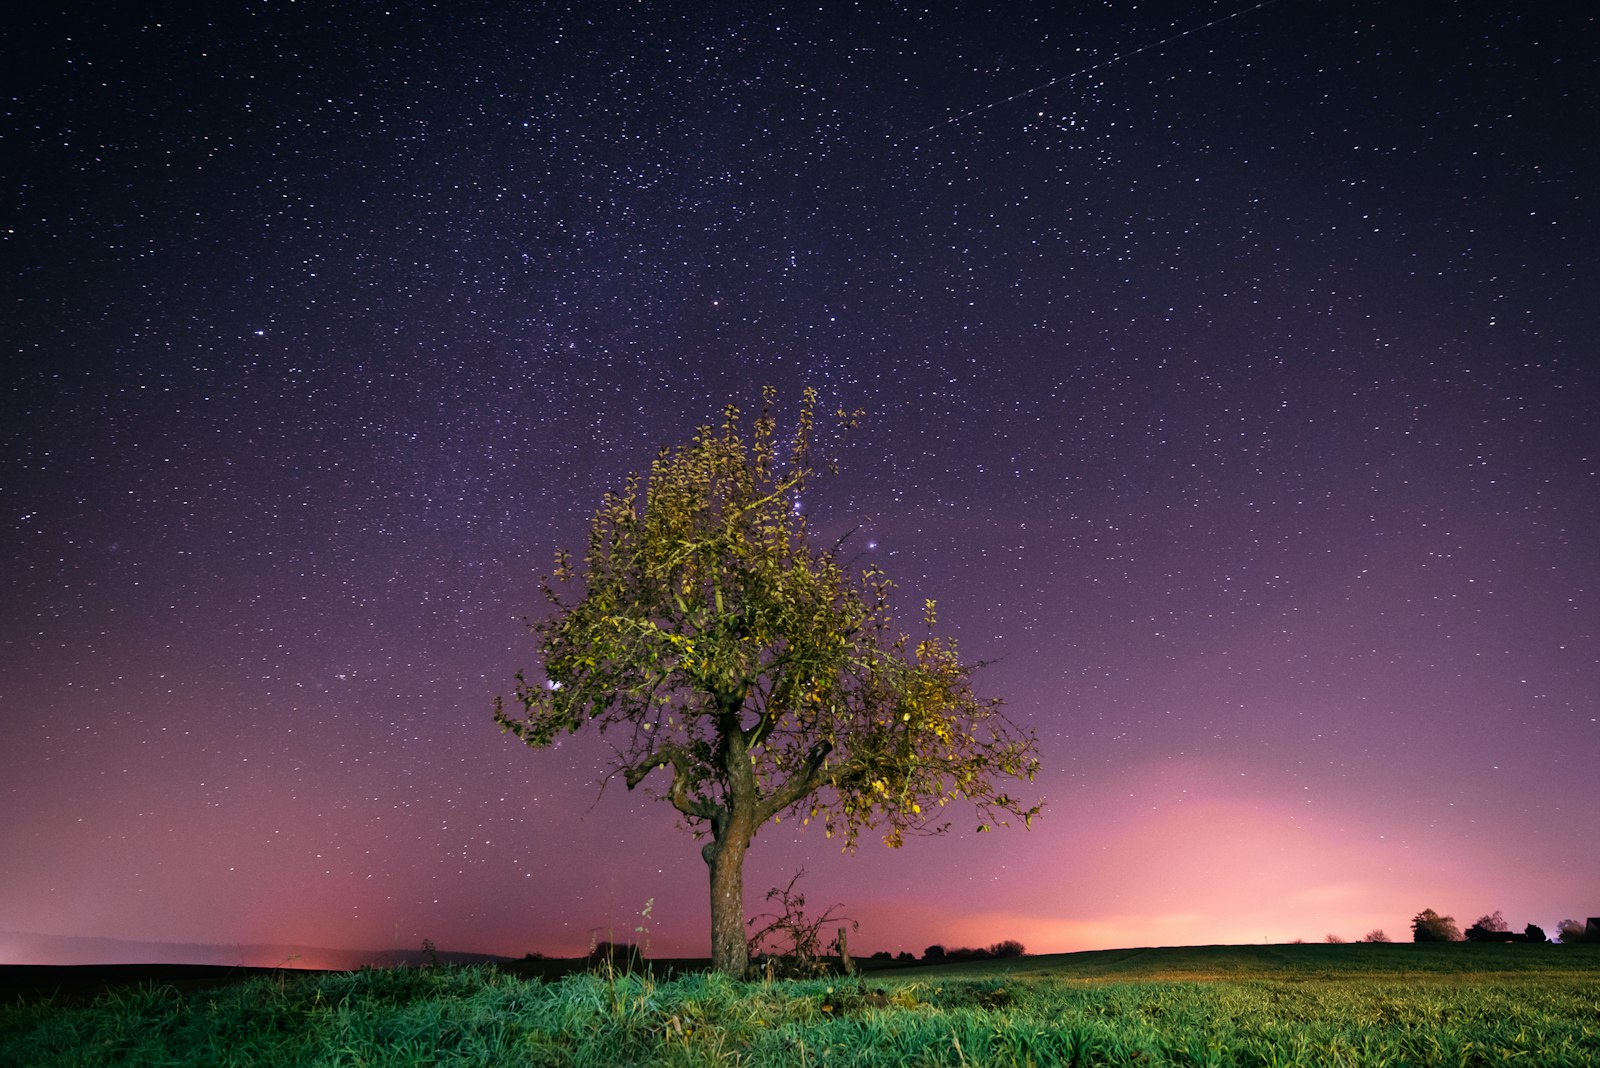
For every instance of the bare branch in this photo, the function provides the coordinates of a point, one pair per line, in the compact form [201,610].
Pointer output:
[804,782]
[683,776]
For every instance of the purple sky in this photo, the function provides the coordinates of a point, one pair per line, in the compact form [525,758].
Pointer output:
[1231,376]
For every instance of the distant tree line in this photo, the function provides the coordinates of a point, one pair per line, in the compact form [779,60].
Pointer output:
[1429,926]
[937,954]
[1426,926]
[626,956]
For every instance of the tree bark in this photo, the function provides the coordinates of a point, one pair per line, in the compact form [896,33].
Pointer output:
[730,954]
[731,834]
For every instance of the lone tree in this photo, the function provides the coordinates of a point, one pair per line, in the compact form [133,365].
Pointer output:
[1429,926]
[1490,928]
[755,670]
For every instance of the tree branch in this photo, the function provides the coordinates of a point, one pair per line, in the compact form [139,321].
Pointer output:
[800,784]
[682,775]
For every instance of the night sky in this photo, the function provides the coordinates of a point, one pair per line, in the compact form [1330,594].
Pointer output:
[1231,378]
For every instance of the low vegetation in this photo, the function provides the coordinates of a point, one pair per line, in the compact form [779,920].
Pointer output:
[1353,1004]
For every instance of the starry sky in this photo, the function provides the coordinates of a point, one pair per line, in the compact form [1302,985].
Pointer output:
[1231,380]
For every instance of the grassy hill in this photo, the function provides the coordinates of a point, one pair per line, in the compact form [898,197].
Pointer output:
[1206,1006]
[1286,963]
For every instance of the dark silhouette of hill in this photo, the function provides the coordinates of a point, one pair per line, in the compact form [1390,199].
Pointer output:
[45,949]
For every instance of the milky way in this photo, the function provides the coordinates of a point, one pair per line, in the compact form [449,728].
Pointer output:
[1230,375]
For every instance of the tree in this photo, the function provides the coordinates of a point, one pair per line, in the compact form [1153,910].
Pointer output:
[1490,928]
[1375,935]
[1429,926]
[756,671]
[1534,933]
[966,953]
[1570,931]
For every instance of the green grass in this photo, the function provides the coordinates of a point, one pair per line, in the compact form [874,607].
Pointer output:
[1246,1005]
[1291,962]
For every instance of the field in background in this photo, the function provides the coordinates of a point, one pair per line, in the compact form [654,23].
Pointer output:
[1392,960]
[1221,1005]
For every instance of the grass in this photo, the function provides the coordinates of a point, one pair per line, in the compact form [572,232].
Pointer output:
[1245,1005]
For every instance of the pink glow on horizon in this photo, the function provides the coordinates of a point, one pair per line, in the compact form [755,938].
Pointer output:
[1176,851]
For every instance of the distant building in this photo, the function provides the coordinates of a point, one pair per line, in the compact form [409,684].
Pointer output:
[1591,930]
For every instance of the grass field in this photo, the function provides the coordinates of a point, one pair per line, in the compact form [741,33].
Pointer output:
[1393,1005]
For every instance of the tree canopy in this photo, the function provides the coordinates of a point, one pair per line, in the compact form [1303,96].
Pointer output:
[708,635]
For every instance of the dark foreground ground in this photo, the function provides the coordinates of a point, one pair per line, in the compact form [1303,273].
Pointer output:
[72,983]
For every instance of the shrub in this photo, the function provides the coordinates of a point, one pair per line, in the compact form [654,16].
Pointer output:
[622,956]
[965,954]
[790,944]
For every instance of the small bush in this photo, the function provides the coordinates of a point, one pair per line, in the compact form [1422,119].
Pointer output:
[621,956]
[789,944]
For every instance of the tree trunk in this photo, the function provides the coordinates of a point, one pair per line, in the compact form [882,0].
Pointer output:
[731,834]
[730,954]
